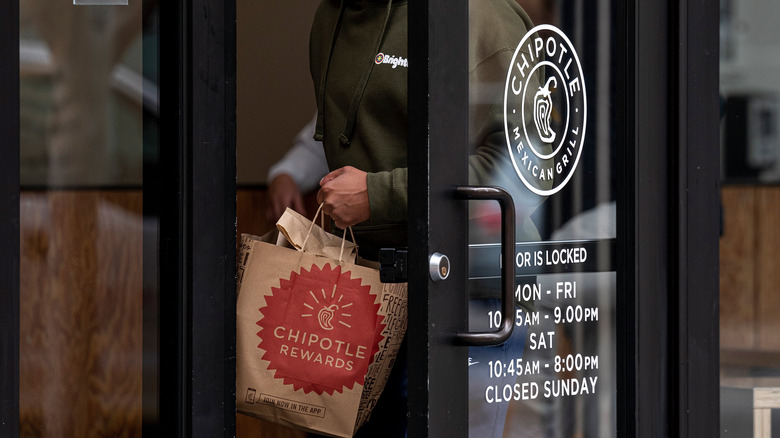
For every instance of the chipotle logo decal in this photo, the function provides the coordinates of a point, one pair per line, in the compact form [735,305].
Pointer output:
[320,322]
[545,110]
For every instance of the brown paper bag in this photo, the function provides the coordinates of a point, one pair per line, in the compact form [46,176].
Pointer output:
[316,338]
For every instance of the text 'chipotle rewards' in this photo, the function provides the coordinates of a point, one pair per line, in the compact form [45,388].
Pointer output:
[320,321]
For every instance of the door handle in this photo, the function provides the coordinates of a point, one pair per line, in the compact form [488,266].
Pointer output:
[507,267]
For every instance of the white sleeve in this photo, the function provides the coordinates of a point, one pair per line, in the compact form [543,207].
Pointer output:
[304,162]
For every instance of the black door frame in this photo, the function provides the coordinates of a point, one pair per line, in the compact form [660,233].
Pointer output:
[695,206]
[668,356]
[9,218]
[438,115]
[648,220]
[198,220]
[198,230]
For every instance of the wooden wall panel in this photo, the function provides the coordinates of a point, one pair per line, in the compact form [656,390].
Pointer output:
[250,212]
[737,269]
[81,313]
[767,262]
[750,271]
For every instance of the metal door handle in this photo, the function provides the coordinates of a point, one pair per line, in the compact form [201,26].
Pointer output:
[507,267]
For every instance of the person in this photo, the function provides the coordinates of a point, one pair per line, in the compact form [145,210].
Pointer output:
[358,61]
[297,173]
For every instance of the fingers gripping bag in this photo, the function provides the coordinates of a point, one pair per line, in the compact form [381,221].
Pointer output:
[317,334]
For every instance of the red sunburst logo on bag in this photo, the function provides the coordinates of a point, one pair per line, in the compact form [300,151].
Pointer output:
[320,330]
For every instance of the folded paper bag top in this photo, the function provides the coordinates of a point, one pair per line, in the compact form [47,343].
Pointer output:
[306,236]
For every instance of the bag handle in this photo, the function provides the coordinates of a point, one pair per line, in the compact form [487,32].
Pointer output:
[322,219]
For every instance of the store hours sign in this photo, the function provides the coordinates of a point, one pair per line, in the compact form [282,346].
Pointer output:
[546,370]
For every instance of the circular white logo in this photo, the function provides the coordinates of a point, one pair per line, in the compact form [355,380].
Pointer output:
[545,110]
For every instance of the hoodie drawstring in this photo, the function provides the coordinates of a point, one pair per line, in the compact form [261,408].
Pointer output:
[346,136]
[349,129]
[318,134]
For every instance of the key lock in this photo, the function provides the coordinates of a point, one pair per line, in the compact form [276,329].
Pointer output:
[439,264]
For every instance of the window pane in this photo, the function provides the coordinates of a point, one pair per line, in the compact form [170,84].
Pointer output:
[88,238]
[750,241]
[556,376]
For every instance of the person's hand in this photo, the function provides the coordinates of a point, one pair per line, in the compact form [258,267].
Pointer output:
[283,193]
[344,195]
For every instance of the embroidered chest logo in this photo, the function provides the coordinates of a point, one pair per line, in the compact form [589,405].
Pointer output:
[392,60]
[545,110]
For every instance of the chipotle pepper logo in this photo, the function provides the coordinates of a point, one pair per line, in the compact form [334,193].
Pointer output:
[545,110]
[320,322]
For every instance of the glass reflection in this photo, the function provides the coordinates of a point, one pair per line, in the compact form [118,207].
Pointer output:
[88,110]
[750,171]
[82,72]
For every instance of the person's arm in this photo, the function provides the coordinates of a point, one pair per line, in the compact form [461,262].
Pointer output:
[298,172]
[283,192]
[345,197]
[305,162]
[351,196]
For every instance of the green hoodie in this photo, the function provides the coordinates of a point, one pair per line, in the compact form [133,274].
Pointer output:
[358,54]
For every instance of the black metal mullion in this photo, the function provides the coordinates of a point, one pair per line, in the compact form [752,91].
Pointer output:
[419,219]
[173,176]
[197,260]
[9,218]
[696,149]
[229,224]
[624,31]
[649,236]
[213,230]
[438,100]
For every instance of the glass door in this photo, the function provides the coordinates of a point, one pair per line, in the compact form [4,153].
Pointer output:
[554,303]
[541,139]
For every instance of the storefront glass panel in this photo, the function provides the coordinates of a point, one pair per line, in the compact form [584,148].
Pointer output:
[88,255]
[749,241]
[556,375]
